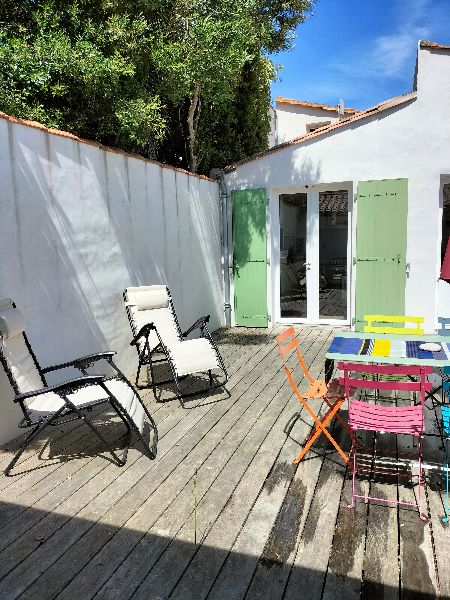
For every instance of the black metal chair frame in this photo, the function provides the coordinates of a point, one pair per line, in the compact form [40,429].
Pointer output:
[146,354]
[69,408]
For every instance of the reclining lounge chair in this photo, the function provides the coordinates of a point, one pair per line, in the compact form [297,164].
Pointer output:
[44,404]
[158,339]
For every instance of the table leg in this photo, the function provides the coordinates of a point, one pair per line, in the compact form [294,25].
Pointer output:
[329,369]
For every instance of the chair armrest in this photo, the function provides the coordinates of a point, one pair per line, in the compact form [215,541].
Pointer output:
[82,361]
[61,387]
[143,332]
[199,324]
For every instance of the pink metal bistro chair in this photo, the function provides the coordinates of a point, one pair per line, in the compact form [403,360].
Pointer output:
[365,416]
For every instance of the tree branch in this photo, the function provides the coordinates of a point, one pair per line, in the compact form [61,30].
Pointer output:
[192,120]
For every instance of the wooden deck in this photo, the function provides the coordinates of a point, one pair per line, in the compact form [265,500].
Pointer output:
[222,513]
[332,304]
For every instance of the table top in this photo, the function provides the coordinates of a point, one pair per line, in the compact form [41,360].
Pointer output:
[353,346]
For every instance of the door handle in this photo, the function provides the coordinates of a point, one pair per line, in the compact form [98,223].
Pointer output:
[307,266]
[236,269]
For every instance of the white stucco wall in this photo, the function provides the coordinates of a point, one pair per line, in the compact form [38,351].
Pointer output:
[291,120]
[79,224]
[409,141]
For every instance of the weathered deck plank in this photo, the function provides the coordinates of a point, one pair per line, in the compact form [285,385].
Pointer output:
[381,564]
[222,443]
[105,496]
[259,519]
[264,528]
[134,559]
[268,539]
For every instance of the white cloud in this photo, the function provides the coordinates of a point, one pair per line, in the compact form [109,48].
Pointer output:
[372,69]
[389,56]
[392,54]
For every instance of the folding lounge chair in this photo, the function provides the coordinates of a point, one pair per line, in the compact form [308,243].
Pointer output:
[365,416]
[158,339]
[44,404]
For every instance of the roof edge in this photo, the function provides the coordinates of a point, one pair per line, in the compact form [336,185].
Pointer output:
[378,108]
[71,136]
[307,104]
[427,44]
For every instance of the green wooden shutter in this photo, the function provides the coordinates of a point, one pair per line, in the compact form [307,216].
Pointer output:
[250,257]
[382,211]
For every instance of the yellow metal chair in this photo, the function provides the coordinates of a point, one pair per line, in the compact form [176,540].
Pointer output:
[388,324]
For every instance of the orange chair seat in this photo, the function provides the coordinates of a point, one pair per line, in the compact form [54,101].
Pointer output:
[317,389]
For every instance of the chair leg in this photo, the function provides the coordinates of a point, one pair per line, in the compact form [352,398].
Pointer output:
[321,428]
[23,447]
[152,374]
[422,516]
[445,518]
[137,375]
[120,461]
[338,417]
[353,451]
[37,429]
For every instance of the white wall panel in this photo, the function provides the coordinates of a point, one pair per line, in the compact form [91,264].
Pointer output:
[79,224]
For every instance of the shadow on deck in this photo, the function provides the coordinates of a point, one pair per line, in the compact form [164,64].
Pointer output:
[222,513]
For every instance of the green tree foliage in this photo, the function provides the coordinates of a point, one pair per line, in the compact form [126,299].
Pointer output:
[183,81]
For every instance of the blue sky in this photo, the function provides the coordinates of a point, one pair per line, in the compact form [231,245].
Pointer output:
[363,51]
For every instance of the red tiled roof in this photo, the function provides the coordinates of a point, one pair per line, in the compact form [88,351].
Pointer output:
[66,134]
[426,44]
[364,114]
[282,100]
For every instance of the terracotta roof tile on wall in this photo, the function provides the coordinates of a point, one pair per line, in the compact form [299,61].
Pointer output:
[281,100]
[426,44]
[66,134]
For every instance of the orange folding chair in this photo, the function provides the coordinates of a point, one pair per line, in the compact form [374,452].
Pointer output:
[318,389]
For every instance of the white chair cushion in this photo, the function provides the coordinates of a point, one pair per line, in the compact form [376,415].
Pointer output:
[148,297]
[193,356]
[48,403]
[21,364]
[129,400]
[164,322]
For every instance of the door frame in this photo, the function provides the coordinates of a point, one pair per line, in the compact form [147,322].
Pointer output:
[312,253]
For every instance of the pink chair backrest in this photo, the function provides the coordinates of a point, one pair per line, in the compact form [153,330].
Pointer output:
[350,380]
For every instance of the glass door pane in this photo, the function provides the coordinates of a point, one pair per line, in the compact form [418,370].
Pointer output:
[293,255]
[333,231]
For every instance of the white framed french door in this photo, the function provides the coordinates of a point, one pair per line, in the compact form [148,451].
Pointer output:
[311,254]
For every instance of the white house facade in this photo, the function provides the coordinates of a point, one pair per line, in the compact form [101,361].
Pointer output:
[293,118]
[354,213]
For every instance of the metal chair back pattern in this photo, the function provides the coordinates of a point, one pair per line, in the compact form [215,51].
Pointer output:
[318,389]
[390,320]
[364,416]
[43,404]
